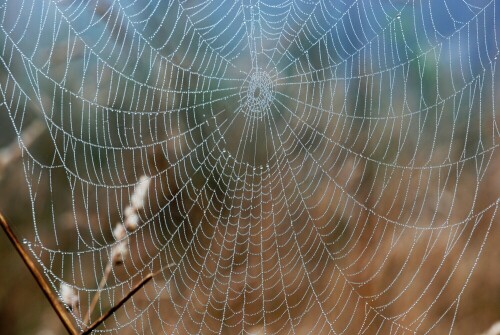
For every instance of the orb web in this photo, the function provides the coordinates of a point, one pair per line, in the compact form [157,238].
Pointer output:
[280,166]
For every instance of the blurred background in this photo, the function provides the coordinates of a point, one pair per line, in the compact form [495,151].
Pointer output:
[359,138]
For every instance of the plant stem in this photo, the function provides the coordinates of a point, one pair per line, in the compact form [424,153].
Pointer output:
[13,151]
[51,297]
[113,309]
[97,295]
[134,290]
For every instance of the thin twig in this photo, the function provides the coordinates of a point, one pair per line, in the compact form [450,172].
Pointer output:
[113,309]
[51,297]
[13,151]
[95,299]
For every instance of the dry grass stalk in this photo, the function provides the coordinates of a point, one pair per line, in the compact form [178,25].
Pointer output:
[51,297]
[13,151]
[120,233]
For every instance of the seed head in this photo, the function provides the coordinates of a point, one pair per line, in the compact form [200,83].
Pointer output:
[132,222]
[129,210]
[69,296]
[119,232]
[138,198]
[119,252]
[494,330]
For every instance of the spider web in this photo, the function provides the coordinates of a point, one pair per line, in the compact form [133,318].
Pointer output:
[287,166]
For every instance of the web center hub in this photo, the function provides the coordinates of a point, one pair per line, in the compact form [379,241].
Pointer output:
[259,93]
